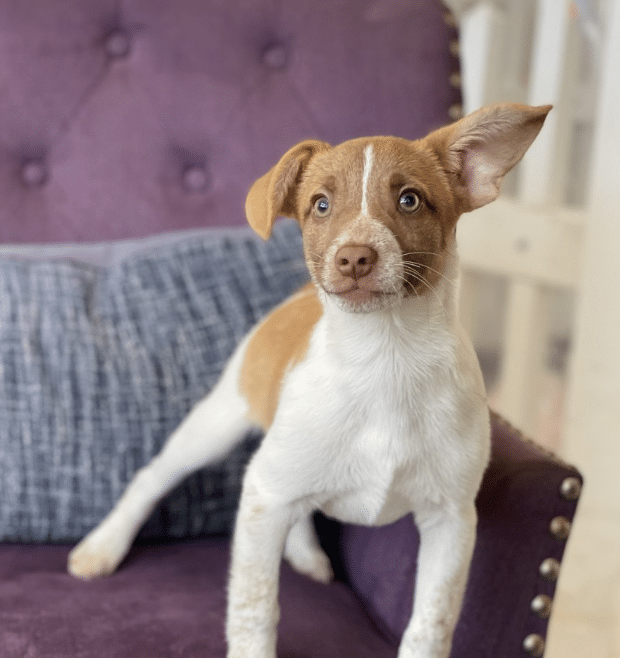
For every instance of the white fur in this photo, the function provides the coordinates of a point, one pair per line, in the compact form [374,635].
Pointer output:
[368,162]
[385,416]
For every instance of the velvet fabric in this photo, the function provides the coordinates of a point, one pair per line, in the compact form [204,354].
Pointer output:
[167,601]
[126,118]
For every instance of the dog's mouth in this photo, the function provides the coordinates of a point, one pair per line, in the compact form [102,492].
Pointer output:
[358,294]
[357,298]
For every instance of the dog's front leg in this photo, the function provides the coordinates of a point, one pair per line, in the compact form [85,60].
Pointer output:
[446,546]
[253,612]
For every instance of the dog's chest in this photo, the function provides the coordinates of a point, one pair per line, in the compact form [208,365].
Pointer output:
[373,486]
[388,463]
[376,431]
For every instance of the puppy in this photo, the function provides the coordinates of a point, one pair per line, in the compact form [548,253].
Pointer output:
[369,392]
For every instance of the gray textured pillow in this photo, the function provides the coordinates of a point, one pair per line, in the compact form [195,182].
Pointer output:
[99,364]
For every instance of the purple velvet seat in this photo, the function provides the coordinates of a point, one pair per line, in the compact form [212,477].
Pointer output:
[167,601]
[126,119]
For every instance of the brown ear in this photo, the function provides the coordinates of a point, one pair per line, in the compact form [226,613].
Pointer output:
[480,149]
[273,194]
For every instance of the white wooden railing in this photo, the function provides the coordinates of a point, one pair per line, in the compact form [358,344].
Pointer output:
[536,51]
[553,240]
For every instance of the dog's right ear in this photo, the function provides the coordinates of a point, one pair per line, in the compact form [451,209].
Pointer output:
[273,194]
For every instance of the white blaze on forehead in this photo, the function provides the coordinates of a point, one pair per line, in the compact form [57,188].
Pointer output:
[368,161]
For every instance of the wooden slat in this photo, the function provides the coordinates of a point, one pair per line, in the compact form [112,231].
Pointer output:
[540,175]
[593,414]
[479,33]
[510,239]
[523,365]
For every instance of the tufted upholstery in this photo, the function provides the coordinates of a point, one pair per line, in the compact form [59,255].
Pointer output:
[122,119]
[127,118]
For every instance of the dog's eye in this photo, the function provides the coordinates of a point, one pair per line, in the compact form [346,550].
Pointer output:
[409,202]
[321,207]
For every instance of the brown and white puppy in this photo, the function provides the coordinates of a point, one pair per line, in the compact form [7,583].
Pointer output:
[369,392]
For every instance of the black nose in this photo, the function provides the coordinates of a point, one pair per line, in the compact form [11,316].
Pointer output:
[355,261]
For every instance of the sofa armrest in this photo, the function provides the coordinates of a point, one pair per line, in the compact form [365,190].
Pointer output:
[525,506]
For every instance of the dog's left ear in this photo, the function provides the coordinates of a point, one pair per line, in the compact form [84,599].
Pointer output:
[480,149]
[273,194]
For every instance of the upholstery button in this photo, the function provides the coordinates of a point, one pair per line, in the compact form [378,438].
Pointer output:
[534,644]
[550,569]
[455,112]
[560,528]
[275,56]
[455,79]
[34,173]
[195,178]
[449,19]
[541,605]
[570,488]
[117,44]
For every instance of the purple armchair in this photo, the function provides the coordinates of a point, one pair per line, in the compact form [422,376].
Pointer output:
[122,119]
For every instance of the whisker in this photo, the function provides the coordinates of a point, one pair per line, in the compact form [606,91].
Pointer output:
[407,282]
[428,285]
[425,253]
[410,268]
[314,255]
[420,253]
[422,280]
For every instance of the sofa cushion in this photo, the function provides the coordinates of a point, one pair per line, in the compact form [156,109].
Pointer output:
[99,363]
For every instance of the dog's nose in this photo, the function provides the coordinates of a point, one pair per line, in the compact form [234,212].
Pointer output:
[355,261]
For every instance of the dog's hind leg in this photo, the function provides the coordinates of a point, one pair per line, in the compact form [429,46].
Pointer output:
[207,434]
[304,554]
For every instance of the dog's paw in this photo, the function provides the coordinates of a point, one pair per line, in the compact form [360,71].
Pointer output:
[313,563]
[95,556]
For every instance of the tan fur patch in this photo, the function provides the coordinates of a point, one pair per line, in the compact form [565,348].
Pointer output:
[279,342]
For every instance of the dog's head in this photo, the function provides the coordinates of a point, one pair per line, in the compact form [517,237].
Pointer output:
[378,214]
